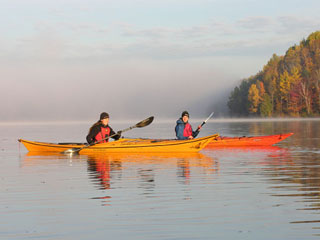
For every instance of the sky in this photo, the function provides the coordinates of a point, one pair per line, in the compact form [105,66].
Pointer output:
[73,59]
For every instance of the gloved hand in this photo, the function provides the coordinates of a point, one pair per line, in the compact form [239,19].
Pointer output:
[119,133]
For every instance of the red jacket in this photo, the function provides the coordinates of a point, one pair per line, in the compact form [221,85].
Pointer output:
[99,132]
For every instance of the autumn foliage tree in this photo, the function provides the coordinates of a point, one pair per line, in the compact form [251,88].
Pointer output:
[254,98]
[288,85]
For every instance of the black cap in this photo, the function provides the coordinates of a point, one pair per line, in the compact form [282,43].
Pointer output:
[185,113]
[104,115]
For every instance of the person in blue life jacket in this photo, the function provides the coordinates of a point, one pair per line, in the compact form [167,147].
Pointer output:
[100,131]
[184,129]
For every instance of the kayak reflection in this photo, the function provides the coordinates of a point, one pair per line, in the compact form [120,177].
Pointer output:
[43,158]
[106,169]
[143,173]
[261,155]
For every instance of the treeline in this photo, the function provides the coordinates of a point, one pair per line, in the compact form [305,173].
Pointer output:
[288,85]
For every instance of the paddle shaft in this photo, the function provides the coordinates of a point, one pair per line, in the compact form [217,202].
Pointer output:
[204,122]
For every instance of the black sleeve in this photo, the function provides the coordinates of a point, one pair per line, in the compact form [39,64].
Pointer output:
[116,137]
[195,133]
[94,131]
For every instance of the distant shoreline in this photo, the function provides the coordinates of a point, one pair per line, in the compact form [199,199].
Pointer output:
[159,120]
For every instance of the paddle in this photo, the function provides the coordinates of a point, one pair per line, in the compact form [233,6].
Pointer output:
[204,122]
[141,124]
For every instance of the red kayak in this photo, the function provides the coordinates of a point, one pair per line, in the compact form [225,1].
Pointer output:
[247,141]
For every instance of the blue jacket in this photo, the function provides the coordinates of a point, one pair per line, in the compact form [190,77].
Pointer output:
[180,130]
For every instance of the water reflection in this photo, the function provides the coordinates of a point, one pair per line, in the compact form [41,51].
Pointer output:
[301,182]
[183,171]
[101,167]
[293,176]
[257,154]
[106,170]
[289,174]
[43,158]
[147,182]
[300,179]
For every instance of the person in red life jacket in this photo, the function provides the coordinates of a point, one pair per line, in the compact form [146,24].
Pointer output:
[183,128]
[101,130]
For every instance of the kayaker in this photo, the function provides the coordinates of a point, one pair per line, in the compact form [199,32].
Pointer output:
[101,130]
[183,128]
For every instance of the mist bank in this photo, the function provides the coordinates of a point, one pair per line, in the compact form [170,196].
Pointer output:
[129,89]
[137,108]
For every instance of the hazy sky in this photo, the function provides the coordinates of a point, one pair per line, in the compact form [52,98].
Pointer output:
[72,59]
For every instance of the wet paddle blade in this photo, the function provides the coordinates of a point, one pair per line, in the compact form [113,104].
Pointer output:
[72,151]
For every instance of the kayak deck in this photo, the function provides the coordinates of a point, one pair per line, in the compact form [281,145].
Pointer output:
[125,145]
[248,141]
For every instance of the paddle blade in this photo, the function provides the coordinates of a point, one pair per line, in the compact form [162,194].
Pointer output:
[209,117]
[71,151]
[145,122]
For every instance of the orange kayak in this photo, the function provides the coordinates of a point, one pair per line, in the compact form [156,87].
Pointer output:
[247,141]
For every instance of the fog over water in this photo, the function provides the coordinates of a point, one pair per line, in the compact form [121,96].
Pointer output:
[163,89]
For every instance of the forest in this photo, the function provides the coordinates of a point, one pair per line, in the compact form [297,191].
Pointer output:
[288,85]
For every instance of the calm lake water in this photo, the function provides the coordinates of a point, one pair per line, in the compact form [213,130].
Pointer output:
[231,193]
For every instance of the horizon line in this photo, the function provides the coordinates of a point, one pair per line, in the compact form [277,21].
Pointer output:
[161,120]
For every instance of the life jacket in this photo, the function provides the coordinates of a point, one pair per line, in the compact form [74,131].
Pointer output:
[104,132]
[187,132]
